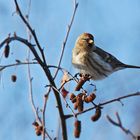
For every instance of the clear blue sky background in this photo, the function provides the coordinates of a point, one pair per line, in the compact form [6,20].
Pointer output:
[116,27]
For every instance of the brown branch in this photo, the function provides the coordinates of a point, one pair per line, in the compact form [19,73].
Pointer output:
[65,83]
[67,104]
[48,74]
[118,123]
[18,63]
[43,115]
[24,41]
[30,29]
[42,122]
[67,35]
[42,64]
[105,103]
[120,98]
[2,67]
[31,96]
[38,119]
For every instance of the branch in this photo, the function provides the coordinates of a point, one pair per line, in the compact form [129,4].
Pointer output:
[43,114]
[31,96]
[30,29]
[42,63]
[48,75]
[2,67]
[105,103]
[66,37]
[24,41]
[120,98]
[118,123]
[67,104]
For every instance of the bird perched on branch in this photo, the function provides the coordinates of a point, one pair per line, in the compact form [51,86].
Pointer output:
[92,60]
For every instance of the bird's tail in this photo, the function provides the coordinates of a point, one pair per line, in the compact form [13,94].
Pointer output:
[131,66]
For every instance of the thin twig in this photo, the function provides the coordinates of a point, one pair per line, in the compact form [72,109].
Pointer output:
[35,110]
[64,70]
[119,124]
[24,41]
[105,103]
[42,122]
[31,30]
[43,66]
[43,115]
[67,35]
[120,98]
[31,95]
[65,83]
[30,85]
[48,75]
[2,67]
[67,104]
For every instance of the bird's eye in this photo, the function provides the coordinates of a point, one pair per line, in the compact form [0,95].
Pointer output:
[89,41]
[84,39]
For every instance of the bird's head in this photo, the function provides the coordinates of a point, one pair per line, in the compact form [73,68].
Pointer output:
[85,41]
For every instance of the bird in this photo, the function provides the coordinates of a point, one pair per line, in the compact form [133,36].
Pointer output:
[91,60]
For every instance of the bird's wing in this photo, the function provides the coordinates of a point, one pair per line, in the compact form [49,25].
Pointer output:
[107,57]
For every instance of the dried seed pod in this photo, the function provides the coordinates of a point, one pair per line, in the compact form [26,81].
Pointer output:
[80,104]
[38,133]
[35,124]
[73,100]
[97,114]
[90,98]
[6,50]
[81,82]
[39,130]
[64,92]
[13,78]
[75,105]
[72,95]
[77,128]
[86,100]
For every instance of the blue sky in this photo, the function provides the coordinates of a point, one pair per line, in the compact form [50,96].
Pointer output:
[115,25]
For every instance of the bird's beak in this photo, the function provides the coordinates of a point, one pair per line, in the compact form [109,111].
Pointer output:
[90,41]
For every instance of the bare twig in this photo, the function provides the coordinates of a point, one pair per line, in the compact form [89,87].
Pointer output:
[48,75]
[67,104]
[30,29]
[42,122]
[64,70]
[120,98]
[42,63]
[2,67]
[105,103]
[43,115]
[31,96]
[30,84]
[119,124]
[24,41]
[67,35]
[18,63]
[65,83]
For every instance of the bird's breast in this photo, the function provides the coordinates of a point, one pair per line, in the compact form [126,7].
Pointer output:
[79,59]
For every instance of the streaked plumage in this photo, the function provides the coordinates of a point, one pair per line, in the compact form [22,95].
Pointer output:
[92,60]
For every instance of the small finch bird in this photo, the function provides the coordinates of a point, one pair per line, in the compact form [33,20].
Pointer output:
[92,60]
